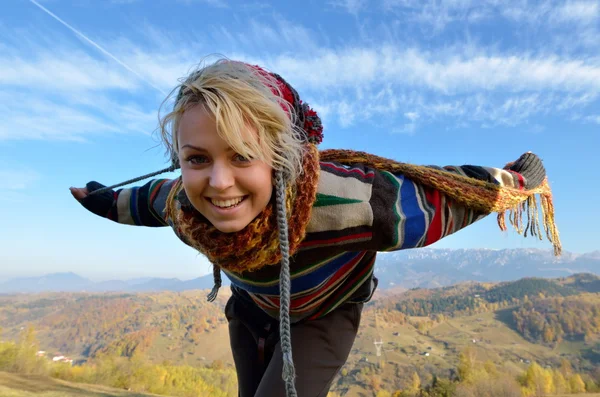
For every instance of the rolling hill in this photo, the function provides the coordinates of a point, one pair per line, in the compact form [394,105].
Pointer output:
[15,385]
[421,330]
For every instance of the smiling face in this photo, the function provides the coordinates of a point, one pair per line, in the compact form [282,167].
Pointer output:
[226,188]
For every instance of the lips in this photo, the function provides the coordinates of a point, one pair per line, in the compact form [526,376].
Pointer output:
[229,203]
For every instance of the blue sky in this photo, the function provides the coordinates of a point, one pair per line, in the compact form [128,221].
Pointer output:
[444,82]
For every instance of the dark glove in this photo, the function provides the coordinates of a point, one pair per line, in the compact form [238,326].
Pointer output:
[100,203]
[531,168]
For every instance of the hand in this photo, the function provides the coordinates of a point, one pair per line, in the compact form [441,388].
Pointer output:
[99,204]
[530,166]
[510,164]
[79,193]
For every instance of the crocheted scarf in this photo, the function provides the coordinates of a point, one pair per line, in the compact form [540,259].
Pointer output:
[257,245]
[475,194]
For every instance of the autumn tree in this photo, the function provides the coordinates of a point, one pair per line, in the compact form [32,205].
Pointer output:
[439,388]
[8,354]
[538,381]
[415,383]
[26,360]
[560,383]
[466,366]
[565,368]
[374,382]
[488,387]
[577,385]
[551,320]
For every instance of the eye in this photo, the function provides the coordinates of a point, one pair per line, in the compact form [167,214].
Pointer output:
[240,158]
[197,159]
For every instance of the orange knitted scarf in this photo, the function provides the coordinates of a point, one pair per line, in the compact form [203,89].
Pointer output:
[256,245]
[475,194]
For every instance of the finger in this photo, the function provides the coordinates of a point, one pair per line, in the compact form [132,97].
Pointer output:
[79,193]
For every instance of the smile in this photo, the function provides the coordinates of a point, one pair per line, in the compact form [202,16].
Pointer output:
[231,203]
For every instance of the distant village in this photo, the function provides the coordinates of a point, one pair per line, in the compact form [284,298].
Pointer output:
[55,358]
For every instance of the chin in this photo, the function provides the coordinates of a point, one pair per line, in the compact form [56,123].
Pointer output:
[229,227]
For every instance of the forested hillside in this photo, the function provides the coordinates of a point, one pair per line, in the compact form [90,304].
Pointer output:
[523,338]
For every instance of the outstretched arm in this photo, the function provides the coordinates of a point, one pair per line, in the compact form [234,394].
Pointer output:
[141,205]
[408,214]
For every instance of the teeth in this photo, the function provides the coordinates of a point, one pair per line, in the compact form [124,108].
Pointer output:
[226,203]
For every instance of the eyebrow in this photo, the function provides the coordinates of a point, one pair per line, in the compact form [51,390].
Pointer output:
[193,147]
[200,149]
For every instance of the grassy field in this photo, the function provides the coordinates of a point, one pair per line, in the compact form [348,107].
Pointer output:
[405,350]
[13,385]
[175,348]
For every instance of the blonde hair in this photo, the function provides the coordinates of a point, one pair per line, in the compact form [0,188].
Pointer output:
[240,97]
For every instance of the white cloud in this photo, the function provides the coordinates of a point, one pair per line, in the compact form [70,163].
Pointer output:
[64,70]
[552,13]
[558,25]
[441,12]
[437,14]
[412,116]
[448,74]
[523,12]
[516,110]
[577,12]
[409,127]
[594,119]
[575,101]
[259,37]
[71,118]
[66,92]
[352,84]
[568,26]
[346,113]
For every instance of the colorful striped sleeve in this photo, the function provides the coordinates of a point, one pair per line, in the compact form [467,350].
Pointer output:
[407,214]
[359,208]
[139,206]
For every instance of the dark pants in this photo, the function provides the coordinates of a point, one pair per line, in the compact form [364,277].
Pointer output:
[319,348]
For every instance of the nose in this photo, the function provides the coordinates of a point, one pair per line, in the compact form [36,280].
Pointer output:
[221,177]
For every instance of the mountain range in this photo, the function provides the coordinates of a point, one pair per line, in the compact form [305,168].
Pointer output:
[432,268]
[422,268]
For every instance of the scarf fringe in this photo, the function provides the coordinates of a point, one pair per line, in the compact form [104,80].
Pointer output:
[531,208]
[475,194]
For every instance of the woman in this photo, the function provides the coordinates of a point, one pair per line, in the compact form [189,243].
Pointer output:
[297,230]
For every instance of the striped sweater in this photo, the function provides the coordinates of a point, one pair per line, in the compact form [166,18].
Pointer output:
[358,212]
